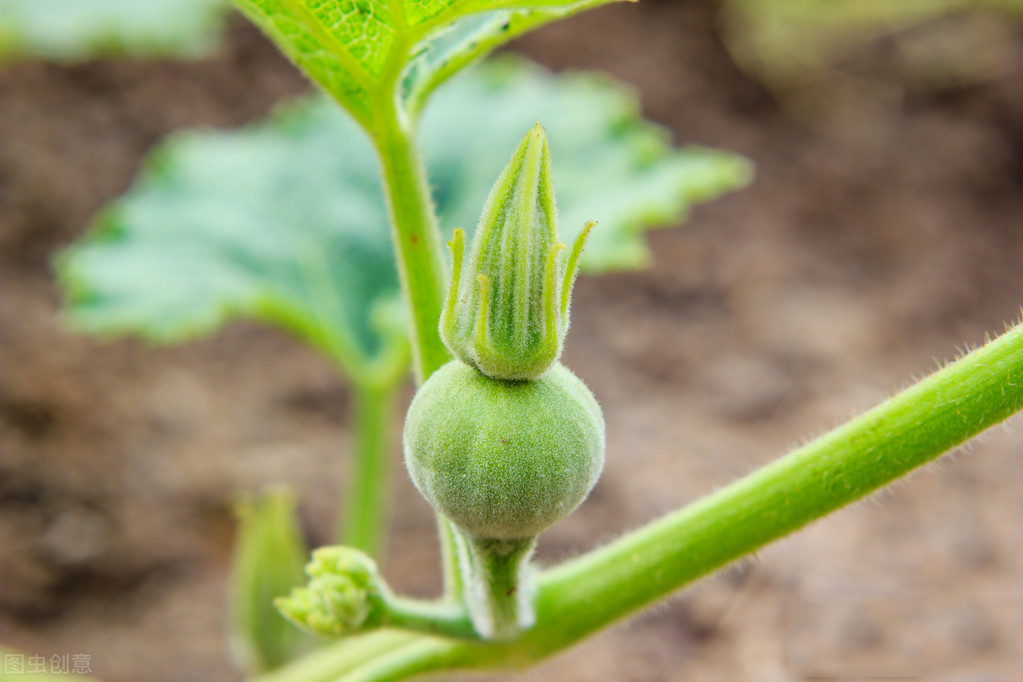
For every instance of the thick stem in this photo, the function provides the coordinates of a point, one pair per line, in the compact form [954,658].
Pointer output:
[498,584]
[909,430]
[846,464]
[417,239]
[365,521]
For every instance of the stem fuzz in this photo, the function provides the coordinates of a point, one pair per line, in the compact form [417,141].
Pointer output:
[500,588]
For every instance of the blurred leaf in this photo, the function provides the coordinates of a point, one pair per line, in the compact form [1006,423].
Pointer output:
[610,165]
[285,221]
[282,222]
[810,52]
[269,557]
[77,29]
[359,51]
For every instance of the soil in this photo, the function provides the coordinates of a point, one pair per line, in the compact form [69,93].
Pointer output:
[862,255]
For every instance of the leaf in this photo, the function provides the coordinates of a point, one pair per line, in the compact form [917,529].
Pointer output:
[77,29]
[610,165]
[285,221]
[469,40]
[281,222]
[269,556]
[363,52]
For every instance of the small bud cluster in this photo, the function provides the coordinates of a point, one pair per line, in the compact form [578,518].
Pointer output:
[344,593]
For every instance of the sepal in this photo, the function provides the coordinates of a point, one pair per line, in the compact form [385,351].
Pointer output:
[507,308]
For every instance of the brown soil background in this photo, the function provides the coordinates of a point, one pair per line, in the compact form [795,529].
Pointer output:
[860,256]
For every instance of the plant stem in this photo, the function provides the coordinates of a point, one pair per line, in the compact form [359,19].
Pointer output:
[365,520]
[430,617]
[327,663]
[449,559]
[498,583]
[421,266]
[846,464]
[416,237]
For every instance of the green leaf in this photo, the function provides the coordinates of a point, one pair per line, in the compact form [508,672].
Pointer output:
[77,29]
[610,165]
[269,557]
[281,222]
[285,221]
[469,40]
[363,52]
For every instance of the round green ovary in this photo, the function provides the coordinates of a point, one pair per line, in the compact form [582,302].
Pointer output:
[504,459]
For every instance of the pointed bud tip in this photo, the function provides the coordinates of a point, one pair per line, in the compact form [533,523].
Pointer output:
[533,153]
[504,313]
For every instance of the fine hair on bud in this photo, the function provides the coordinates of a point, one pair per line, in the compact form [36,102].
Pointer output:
[508,303]
[504,460]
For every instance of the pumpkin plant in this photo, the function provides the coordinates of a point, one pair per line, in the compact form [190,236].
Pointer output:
[285,222]
[282,222]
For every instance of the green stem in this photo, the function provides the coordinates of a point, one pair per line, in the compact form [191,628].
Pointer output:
[499,585]
[416,237]
[411,659]
[417,241]
[846,464]
[449,559]
[436,617]
[365,521]
[327,663]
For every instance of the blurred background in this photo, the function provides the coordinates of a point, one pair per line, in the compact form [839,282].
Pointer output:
[883,233]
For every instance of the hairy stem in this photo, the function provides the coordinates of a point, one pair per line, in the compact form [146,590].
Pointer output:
[499,586]
[365,521]
[417,241]
[846,464]
[431,617]
[416,237]
[449,559]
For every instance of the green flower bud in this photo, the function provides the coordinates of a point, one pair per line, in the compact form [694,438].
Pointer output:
[504,460]
[345,594]
[507,309]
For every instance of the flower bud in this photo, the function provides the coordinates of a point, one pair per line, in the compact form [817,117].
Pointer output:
[507,309]
[345,594]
